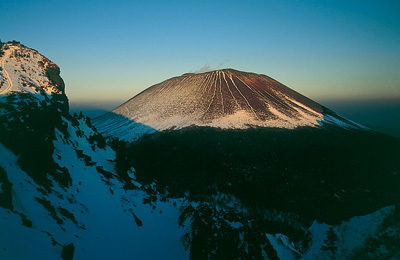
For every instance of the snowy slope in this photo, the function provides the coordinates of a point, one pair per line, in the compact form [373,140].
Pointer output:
[77,197]
[226,99]
[24,70]
[59,185]
[105,221]
[352,236]
[97,216]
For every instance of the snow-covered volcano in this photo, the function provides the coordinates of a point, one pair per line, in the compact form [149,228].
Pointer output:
[226,99]
[206,193]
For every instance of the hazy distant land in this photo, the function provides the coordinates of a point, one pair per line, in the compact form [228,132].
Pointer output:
[380,115]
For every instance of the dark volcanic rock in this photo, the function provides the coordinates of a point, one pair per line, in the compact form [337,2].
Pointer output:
[67,252]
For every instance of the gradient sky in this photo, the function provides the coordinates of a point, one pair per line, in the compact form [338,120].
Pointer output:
[112,50]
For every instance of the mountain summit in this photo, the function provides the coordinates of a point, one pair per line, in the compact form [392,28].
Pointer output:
[24,70]
[227,99]
[213,192]
[60,195]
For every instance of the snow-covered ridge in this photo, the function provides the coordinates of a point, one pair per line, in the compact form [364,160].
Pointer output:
[226,99]
[25,70]
[85,202]
[58,183]
[95,213]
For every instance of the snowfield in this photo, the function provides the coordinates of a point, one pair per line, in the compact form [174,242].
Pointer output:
[102,223]
[79,197]
[24,70]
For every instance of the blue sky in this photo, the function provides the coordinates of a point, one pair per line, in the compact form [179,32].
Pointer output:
[112,50]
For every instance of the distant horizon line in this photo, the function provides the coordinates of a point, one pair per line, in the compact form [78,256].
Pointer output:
[93,102]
